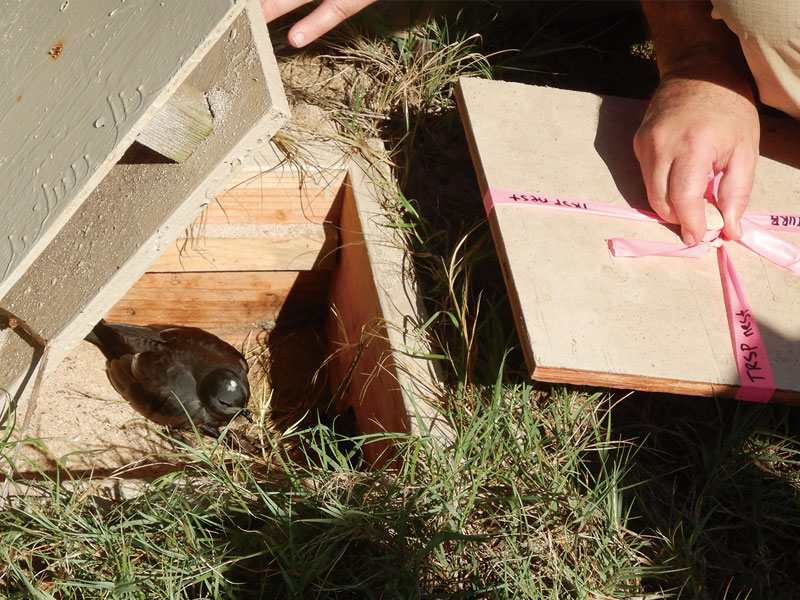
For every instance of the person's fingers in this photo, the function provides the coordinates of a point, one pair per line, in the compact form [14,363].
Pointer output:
[654,174]
[683,137]
[323,18]
[688,179]
[273,9]
[655,163]
[734,190]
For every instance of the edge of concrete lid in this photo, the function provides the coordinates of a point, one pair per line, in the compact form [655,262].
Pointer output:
[68,178]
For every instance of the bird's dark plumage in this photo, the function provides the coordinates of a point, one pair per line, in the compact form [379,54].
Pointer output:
[169,372]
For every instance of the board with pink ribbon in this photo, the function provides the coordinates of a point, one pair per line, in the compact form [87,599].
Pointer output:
[604,293]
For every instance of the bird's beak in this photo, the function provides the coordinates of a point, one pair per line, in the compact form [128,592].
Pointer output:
[247,415]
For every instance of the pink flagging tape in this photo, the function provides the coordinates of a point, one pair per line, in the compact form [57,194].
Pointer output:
[775,221]
[755,372]
[775,249]
[758,384]
[495,196]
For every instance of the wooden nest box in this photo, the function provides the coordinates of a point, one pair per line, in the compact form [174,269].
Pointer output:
[121,134]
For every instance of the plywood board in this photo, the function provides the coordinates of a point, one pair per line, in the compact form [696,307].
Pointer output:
[272,197]
[585,317]
[239,273]
[228,304]
[380,363]
[265,247]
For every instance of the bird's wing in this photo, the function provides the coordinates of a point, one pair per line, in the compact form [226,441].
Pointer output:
[118,339]
[222,353]
[158,387]
[160,408]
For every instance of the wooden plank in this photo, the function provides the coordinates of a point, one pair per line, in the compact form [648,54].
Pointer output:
[72,107]
[179,127]
[585,317]
[279,196]
[293,248]
[378,361]
[225,303]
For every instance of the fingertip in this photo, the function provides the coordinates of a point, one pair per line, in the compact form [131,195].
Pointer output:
[268,10]
[298,38]
[322,19]
[693,226]
[273,9]
[691,237]
[733,225]
[734,232]
[734,196]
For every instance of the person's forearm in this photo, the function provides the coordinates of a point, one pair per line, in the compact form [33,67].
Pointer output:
[690,43]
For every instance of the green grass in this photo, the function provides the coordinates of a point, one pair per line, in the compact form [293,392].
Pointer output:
[517,505]
[541,493]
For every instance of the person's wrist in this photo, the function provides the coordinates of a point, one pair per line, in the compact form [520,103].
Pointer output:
[710,65]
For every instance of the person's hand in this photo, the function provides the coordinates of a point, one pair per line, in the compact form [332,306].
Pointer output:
[702,119]
[321,20]
[691,128]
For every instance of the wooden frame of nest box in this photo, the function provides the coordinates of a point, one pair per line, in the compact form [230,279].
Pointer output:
[281,247]
[282,252]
